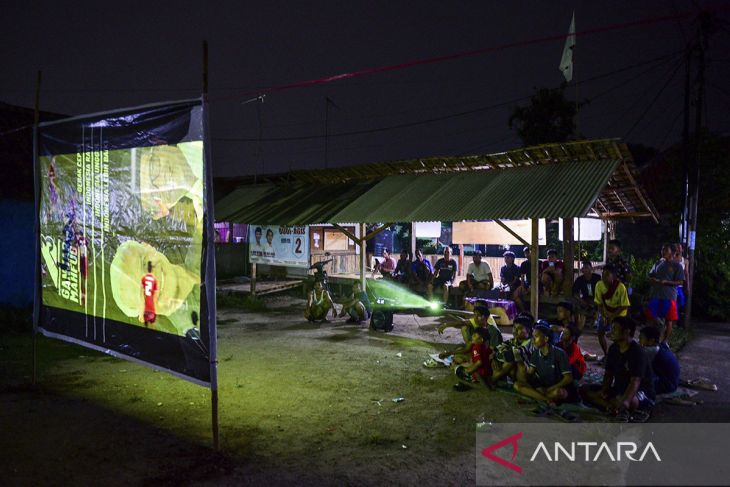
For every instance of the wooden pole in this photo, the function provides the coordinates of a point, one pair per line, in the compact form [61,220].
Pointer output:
[413,240]
[534,271]
[363,257]
[210,282]
[36,301]
[568,250]
[253,279]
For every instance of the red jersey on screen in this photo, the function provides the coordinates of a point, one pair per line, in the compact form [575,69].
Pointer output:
[149,285]
[481,353]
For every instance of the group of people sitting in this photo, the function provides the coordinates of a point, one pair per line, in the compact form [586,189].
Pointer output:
[544,362]
[419,274]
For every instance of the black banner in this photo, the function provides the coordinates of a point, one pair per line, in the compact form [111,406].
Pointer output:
[122,200]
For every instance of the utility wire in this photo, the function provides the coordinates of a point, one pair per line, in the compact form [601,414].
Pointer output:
[653,101]
[443,117]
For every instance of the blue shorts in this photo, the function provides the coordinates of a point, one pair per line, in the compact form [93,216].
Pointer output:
[662,309]
[353,314]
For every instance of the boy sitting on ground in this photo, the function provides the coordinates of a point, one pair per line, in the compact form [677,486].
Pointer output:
[627,384]
[480,368]
[547,378]
[515,350]
[569,343]
[319,304]
[482,319]
[664,364]
[358,307]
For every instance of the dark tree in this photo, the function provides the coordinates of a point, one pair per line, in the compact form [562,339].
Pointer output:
[550,117]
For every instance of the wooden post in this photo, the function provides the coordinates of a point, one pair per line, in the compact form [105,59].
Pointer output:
[534,271]
[568,250]
[605,241]
[363,257]
[37,270]
[413,240]
[461,260]
[253,279]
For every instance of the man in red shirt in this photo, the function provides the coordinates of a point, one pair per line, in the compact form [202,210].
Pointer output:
[149,289]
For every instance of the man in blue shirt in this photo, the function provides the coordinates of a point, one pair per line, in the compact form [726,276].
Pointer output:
[421,273]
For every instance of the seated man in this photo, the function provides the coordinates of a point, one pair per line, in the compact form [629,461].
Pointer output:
[402,272]
[516,350]
[444,273]
[664,364]
[547,377]
[565,317]
[627,383]
[509,274]
[480,368]
[421,274]
[551,273]
[612,301]
[358,306]
[482,319]
[584,290]
[386,266]
[319,304]
[478,275]
[523,290]
[569,343]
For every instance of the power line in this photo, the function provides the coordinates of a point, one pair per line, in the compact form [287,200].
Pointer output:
[653,101]
[443,117]
[461,55]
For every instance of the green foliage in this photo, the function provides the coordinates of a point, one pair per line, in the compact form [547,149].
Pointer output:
[550,117]
[640,278]
[712,275]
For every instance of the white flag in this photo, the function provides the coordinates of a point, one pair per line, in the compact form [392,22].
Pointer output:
[566,62]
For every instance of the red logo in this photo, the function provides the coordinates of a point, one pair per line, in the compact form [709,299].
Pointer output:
[512,440]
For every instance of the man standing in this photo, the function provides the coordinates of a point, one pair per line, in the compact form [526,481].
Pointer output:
[612,300]
[584,290]
[509,274]
[478,274]
[616,260]
[665,276]
[444,274]
[149,291]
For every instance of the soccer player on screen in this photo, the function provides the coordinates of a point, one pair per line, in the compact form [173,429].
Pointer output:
[149,289]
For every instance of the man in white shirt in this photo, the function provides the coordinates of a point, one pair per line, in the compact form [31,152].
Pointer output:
[478,274]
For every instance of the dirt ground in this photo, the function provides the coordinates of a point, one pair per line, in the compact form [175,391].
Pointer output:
[300,403]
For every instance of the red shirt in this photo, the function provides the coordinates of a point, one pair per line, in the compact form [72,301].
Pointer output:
[149,285]
[481,353]
[575,358]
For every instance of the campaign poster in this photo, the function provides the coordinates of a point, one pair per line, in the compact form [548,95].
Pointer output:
[122,235]
[279,245]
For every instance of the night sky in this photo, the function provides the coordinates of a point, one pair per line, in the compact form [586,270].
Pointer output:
[104,55]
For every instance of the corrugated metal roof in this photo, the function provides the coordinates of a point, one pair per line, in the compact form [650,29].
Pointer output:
[289,204]
[566,189]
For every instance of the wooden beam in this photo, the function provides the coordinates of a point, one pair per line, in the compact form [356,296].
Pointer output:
[629,214]
[534,271]
[638,191]
[512,232]
[363,258]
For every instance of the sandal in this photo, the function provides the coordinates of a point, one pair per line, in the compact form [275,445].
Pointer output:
[431,364]
[639,416]
[700,383]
